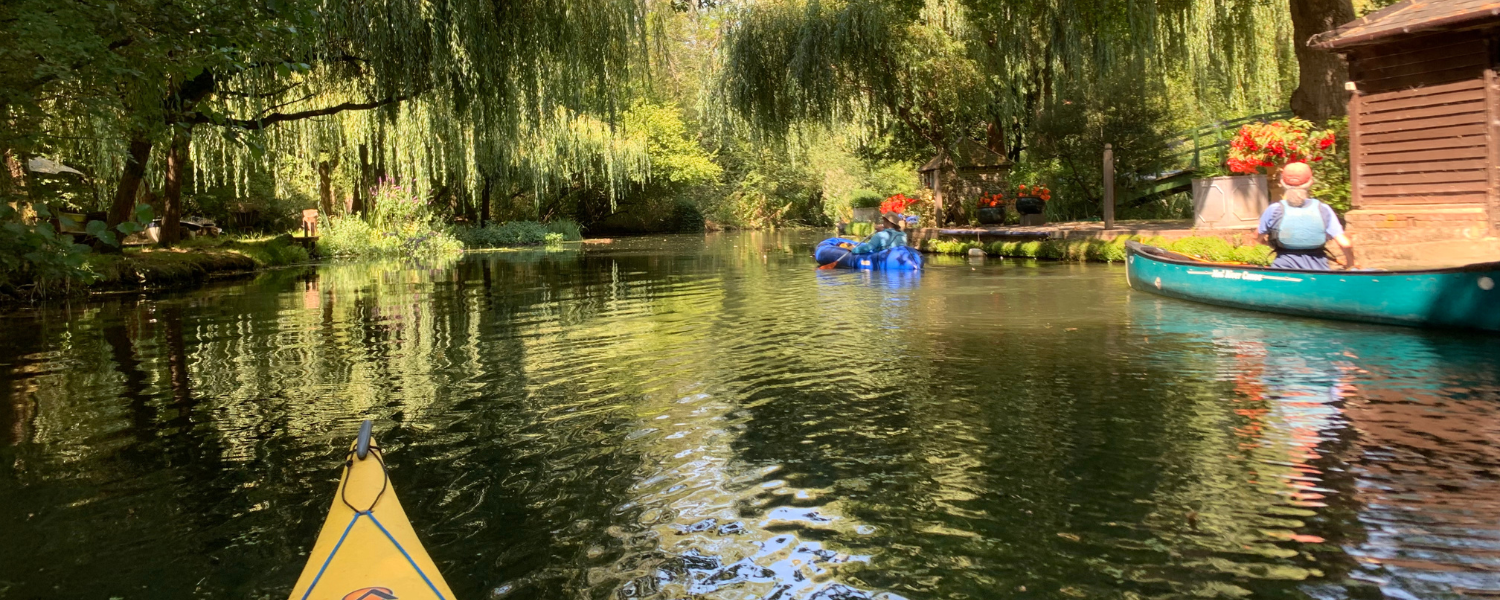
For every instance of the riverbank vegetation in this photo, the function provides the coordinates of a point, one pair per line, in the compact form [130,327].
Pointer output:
[149,267]
[619,116]
[1209,248]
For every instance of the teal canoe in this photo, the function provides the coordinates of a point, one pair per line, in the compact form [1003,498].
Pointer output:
[1460,298]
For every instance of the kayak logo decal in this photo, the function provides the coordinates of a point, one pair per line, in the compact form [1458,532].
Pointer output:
[371,593]
[1243,275]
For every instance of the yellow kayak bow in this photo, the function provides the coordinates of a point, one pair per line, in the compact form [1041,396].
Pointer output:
[368,549]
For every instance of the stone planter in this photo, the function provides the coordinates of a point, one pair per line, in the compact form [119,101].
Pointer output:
[992,215]
[1030,205]
[1229,202]
[865,215]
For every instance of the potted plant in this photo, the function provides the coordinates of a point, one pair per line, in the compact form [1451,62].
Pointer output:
[1031,202]
[992,209]
[865,206]
[1256,155]
[1267,147]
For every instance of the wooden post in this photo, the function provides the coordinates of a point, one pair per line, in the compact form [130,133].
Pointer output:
[1356,162]
[1109,186]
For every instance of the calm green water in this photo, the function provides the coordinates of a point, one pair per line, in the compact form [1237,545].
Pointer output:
[710,417]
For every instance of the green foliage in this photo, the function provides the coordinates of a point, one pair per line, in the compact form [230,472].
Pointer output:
[567,228]
[517,233]
[1206,247]
[939,70]
[1331,184]
[686,218]
[258,205]
[400,224]
[1072,132]
[865,199]
[675,157]
[36,256]
[276,252]
[769,189]
[860,230]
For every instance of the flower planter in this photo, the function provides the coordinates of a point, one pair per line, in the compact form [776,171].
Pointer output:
[1229,202]
[1030,205]
[992,215]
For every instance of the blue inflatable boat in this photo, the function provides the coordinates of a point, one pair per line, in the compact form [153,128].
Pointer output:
[900,258]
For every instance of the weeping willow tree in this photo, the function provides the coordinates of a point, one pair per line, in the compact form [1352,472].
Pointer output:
[945,69]
[461,88]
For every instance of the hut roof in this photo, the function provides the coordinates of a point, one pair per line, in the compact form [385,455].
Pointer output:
[1411,16]
[965,154]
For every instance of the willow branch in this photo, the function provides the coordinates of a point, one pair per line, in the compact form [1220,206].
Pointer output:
[272,119]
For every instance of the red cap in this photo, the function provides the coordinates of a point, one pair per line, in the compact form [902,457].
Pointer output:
[1297,173]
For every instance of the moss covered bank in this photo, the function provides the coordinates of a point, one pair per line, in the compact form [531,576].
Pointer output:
[1204,247]
[192,262]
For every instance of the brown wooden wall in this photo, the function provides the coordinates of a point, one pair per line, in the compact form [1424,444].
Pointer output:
[1420,123]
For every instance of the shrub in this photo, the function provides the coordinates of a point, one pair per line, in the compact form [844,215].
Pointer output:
[865,199]
[571,232]
[36,255]
[400,224]
[686,218]
[42,261]
[518,233]
[1331,175]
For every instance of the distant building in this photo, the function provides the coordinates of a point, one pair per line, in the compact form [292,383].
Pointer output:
[1424,125]
[967,170]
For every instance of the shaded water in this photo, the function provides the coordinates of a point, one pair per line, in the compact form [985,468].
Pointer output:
[710,417]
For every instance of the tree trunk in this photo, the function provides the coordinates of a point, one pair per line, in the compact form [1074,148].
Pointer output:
[362,185]
[325,186]
[995,137]
[130,182]
[171,217]
[1320,74]
[484,202]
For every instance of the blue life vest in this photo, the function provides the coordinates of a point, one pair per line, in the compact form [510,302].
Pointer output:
[1301,227]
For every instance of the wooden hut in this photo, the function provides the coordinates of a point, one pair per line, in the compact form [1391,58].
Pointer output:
[1424,129]
[965,170]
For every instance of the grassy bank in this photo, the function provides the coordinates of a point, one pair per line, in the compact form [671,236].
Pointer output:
[192,261]
[1206,247]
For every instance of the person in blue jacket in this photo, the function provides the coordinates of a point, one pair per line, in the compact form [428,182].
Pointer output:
[1299,226]
[887,236]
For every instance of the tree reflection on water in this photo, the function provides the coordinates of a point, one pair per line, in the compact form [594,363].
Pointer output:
[710,417]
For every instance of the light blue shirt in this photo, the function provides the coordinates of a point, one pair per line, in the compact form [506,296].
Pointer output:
[884,239]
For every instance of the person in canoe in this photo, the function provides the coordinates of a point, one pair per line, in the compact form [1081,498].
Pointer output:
[888,235]
[1299,226]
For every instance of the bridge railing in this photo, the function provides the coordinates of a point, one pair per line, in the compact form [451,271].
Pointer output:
[1210,139]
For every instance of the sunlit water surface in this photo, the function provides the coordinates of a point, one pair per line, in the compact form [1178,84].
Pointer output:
[710,417]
